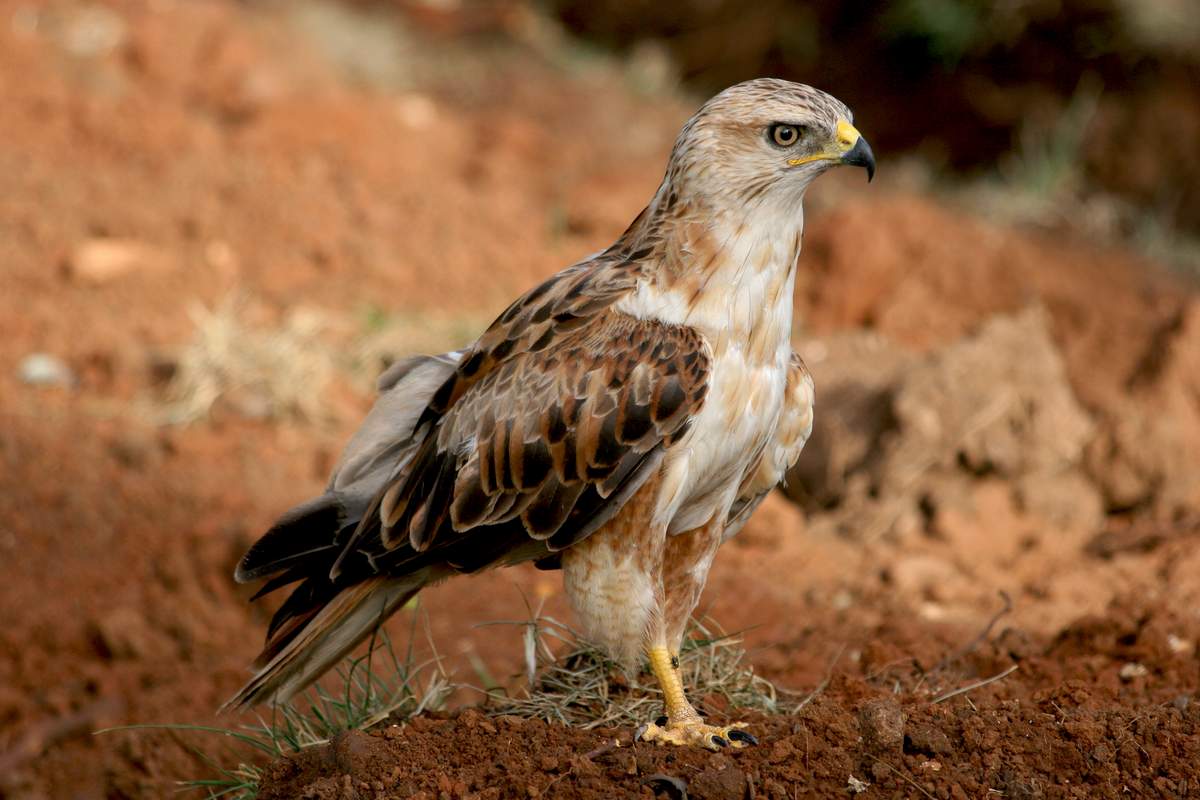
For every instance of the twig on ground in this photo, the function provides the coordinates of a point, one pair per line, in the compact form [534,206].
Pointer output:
[906,779]
[981,637]
[970,646]
[973,686]
[609,745]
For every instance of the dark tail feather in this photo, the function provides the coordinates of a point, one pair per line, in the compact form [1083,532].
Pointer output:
[311,639]
[303,535]
[321,620]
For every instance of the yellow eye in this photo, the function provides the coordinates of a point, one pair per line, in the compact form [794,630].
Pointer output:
[783,135]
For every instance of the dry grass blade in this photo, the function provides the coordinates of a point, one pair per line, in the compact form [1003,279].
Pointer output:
[972,687]
[585,689]
[905,778]
[260,371]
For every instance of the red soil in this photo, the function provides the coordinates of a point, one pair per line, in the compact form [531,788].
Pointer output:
[224,139]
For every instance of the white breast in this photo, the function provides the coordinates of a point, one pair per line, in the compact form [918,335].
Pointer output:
[744,311]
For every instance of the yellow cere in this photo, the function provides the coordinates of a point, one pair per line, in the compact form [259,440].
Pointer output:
[847,135]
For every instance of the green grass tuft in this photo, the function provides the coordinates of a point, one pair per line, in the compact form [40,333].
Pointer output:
[368,693]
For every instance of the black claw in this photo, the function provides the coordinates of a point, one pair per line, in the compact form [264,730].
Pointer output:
[742,736]
[719,742]
[639,733]
[661,721]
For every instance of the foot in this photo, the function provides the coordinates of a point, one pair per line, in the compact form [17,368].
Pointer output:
[694,733]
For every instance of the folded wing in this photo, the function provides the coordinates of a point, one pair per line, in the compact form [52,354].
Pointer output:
[535,438]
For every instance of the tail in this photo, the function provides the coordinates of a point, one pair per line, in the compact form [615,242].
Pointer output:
[323,619]
[309,641]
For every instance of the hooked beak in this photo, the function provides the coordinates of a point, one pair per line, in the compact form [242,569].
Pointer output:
[849,147]
[855,150]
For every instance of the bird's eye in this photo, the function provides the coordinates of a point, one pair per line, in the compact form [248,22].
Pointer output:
[783,135]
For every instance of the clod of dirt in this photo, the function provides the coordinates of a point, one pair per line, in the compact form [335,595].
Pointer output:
[856,376]
[671,786]
[897,430]
[352,752]
[124,633]
[43,369]
[1146,454]
[997,402]
[721,781]
[881,721]
[100,261]
[928,739]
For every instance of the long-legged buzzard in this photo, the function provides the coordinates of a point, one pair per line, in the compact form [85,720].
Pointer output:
[620,421]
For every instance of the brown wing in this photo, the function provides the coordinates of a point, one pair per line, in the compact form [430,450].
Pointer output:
[542,431]
[538,446]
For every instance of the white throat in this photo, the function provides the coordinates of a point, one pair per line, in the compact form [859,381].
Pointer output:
[737,283]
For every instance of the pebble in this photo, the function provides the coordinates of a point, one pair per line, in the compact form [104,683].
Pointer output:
[43,369]
[1133,670]
[881,722]
[103,260]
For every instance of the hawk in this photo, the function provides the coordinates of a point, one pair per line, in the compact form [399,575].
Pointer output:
[618,422]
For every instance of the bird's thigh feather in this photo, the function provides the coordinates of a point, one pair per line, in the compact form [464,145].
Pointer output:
[613,579]
[687,558]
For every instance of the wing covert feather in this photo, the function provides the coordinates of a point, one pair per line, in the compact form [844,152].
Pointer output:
[538,446]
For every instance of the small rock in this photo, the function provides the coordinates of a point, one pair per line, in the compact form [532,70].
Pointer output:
[93,30]
[353,750]
[417,111]
[1133,670]
[1178,645]
[43,369]
[125,634]
[881,722]
[855,786]
[103,260]
[925,738]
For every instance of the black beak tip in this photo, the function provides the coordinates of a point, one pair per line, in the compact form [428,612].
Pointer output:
[861,156]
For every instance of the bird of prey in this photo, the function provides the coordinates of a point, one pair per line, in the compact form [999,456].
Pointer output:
[617,422]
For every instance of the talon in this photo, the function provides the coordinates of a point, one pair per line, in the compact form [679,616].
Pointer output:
[640,732]
[719,742]
[742,736]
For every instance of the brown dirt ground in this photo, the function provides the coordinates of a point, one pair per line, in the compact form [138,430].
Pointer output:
[246,152]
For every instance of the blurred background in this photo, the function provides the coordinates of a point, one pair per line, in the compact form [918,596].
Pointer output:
[219,220]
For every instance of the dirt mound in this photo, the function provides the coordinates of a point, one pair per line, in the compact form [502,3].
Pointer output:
[1093,712]
[1149,456]
[1124,332]
[911,438]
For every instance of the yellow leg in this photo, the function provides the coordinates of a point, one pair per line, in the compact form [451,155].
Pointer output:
[665,666]
[683,725]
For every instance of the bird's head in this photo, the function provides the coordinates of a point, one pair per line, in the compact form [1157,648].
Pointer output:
[764,137]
